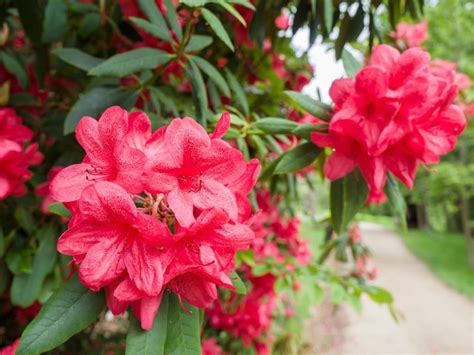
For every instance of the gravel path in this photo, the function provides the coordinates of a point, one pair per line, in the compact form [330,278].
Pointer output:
[438,320]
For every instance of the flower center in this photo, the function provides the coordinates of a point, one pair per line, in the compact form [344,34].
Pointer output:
[190,183]
[96,173]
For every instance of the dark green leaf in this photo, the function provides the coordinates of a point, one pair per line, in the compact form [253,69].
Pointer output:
[269,169]
[14,66]
[59,209]
[69,310]
[194,3]
[304,131]
[149,342]
[173,19]
[347,197]
[183,337]
[297,158]
[95,101]
[136,60]
[55,21]
[151,10]
[344,31]
[396,199]
[351,65]
[198,42]
[25,219]
[199,93]
[77,58]
[238,91]
[328,14]
[301,15]
[154,30]
[213,74]
[217,27]
[231,10]
[238,283]
[27,286]
[89,24]
[308,104]
[274,125]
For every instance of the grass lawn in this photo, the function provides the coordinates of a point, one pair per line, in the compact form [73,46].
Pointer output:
[446,255]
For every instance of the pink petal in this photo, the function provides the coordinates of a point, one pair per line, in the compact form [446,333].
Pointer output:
[340,90]
[337,166]
[69,183]
[181,203]
[112,126]
[78,239]
[222,126]
[147,310]
[215,195]
[371,82]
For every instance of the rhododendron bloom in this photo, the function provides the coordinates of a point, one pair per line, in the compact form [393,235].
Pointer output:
[111,236]
[282,21]
[411,35]
[114,152]
[395,114]
[211,347]
[194,169]
[43,189]
[10,349]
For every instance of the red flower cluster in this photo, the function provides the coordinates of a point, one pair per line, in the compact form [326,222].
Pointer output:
[410,35]
[155,210]
[249,318]
[396,113]
[14,158]
[277,236]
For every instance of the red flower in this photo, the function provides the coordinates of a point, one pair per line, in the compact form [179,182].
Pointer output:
[282,22]
[43,189]
[12,128]
[111,237]
[194,170]
[114,145]
[411,35]
[211,347]
[10,349]
[395,114]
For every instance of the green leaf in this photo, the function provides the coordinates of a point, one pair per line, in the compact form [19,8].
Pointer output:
[199,93]
[95,101]
[347,197]
[351,65]
[297,158]
[379,295]
[269,169]
[328,14]
[167,101]
[55,21]
[136,60]
[397,202]
[3,243]
[304,131]
[308,104]
[194,3]
[89,24]
[59,209]
[25,219]
[183,336]
[149,342]
[77,58]
[69,310]
[154,30]
[344,32]
[173,19]
[198,42]
[244,3]
[26,287]
[238,283]
[230,9]
[274,125]
[14,66]
[151,10]
[213,74]
[238,91]
[217,27]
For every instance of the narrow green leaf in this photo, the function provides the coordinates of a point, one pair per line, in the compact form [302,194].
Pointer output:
[230,9]
[14,66]
[133,61]
[238,91]
[59,209]
[297,158]
[269,169]
[154,30]
[167,101]
[217,27]
[149,342]
[351,65]
[55,21]
[244,3]
[77,58]
[308,104]
[89,24]
[344,31]
[151,10]
[274,125]
[25,219]
[238,283]
[213,74]
[183,337]
[328,14]
[396,199]
[304,131]
[69,310]
[194,3]
[347,197]
[199,93]
[26,287]
[198,42]
[95,101]
[173,19]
